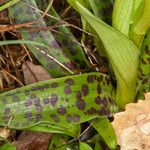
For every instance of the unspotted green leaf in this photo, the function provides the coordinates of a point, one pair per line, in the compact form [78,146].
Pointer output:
[85,146]
[8,146]
[106,130]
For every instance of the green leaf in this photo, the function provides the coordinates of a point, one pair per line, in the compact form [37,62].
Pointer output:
[85,3]
[106,130]
[98,146]
[85,146]
[8,4]
[144,23]
[52,58]
[122,14]
[63,102]
[137,13]
[102,9]
[123,56]
[59,142]
[72,130]
[144,68]
[8,146]
[70,46]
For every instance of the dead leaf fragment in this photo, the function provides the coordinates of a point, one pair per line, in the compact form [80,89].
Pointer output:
[133,125]
[4,16]
[4,133]
[34,73]
[33,141]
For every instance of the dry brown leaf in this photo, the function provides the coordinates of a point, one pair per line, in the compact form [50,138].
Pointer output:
[133,125]
[33,141]
[4,133]
[34,73]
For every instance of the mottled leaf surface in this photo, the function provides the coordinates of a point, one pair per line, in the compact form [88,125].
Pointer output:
[52,58]
[63,101]
[66,40]
[144,68]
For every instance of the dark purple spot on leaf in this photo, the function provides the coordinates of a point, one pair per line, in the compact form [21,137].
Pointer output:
[31,119]
[85,89]
[7,110]
[67,90]
[40,88]
[39,108]
[69,81]
[15,98]
[107,80]
[62,110]
[46,101]
[16,124]
[74,64]
[38,116]
[4,101]
[33,96]
[99,90]
[24,124]
[36,102]
[100,78]
[108,113]
[104,101]
[76,118]
[54,99]
[69,118]
[28,103]
[98,100]
[5,117]
[90,79]
[54,117]
[69,65]
[91,111]
[54,84]
[27,92]
[80,104]
[102,111]
[51,64]
[55,44]
[28,115]
[78,95]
